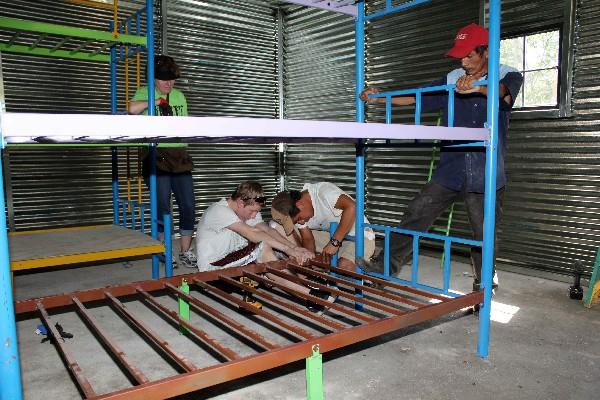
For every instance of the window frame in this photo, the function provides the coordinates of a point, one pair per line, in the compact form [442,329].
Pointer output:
[565,73]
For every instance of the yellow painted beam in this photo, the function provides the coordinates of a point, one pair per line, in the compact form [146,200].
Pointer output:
[72,228]
[86,257]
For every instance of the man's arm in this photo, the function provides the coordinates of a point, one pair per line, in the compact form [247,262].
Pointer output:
[348,207]
[398,100]
[308,240]
[508,88]
[256,235]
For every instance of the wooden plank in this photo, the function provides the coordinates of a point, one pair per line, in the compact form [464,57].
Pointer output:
[38,249]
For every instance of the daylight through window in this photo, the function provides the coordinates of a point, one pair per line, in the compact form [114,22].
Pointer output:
[537,57]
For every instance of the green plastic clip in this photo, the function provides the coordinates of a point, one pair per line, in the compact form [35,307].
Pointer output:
[184,306]
[314,375]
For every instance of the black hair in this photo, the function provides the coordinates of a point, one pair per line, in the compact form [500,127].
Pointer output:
[481,49]
[295,195]
[165,68]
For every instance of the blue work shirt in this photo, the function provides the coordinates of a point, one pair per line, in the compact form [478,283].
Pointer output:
[459,169]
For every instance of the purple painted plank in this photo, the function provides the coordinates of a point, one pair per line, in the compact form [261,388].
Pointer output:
[68,128]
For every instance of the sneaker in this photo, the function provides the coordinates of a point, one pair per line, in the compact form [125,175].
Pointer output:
[367,266]
[188,259]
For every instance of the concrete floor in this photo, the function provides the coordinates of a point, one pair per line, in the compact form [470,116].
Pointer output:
[543,346]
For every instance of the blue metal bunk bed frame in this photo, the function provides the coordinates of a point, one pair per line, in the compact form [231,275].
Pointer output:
[9,358]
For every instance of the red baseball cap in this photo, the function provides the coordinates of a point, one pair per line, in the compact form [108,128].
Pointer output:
[467,39]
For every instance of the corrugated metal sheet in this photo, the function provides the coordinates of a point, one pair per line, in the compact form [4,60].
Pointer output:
[228,55]
[534,14]
[401,52]
[319,84]
[552,216]
[319,65]
[225,48]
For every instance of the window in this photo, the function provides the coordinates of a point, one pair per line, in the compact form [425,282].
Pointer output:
[537,57]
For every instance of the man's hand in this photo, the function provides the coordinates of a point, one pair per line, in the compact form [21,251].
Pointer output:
[364,95]
[464,84]
[330,250]
[302,255]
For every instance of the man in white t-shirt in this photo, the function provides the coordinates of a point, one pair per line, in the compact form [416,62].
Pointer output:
[304,217]
[231,233]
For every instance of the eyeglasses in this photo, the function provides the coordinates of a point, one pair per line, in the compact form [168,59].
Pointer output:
[259,199]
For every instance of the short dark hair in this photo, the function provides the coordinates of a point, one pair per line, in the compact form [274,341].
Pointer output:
[481,49]
[165,68]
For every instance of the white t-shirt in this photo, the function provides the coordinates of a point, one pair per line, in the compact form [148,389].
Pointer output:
[324,195]
[214,240]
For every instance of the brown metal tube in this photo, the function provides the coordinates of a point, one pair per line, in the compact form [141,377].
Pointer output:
[205,308]
[380,281]
[290,306]
[151,335]
[268,316]
[72,364]
[334,306]
[206,377]
[224,351]
[374,304]
[109,343]
[347,282]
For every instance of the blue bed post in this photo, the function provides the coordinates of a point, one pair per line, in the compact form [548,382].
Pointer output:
[113,111]
[359,43]
[152,146]
[10,384]
[489,218]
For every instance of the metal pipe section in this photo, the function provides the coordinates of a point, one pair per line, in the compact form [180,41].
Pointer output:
[10,386]
[115,184]
[359,43]
[491,163]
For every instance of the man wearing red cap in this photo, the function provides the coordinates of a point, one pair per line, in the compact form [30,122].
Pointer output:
[459,174]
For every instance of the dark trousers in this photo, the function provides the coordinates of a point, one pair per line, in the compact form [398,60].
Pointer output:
[425,208]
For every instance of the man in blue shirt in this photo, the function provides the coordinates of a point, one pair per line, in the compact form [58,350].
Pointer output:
[460,173]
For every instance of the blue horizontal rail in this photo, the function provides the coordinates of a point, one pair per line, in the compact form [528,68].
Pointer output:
[418,92]
[389,9]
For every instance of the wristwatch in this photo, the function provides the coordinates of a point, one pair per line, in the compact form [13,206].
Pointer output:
[335,242]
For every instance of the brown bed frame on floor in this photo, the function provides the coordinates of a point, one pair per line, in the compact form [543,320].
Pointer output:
[386,307]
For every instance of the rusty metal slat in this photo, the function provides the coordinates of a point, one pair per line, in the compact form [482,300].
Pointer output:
[111,344]
[372,303]
[151,285]
[206,377]
[380,281]
[205,308]
[317,300]
[72,364]
[163,344]
[378,292]
[224,351]
[268,316]
[290,306]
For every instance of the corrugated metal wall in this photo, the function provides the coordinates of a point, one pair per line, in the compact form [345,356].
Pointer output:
[228,55]
[319,84]
[227,52]
[401,52]
[552,216]
[57,186]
